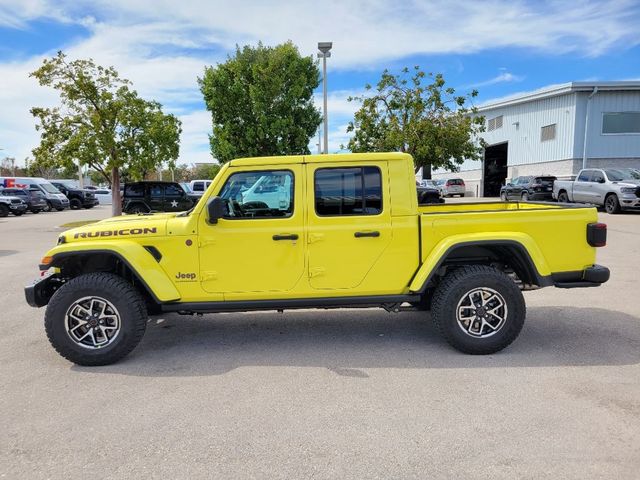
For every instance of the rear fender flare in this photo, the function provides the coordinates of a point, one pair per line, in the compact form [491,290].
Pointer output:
[521,241]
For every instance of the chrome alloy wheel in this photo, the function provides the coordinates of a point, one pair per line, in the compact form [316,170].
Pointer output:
[92,322]
[481,312]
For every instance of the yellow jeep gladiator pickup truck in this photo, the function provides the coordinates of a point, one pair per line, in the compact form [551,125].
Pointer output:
[318,231]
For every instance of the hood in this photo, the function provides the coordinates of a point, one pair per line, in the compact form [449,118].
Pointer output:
[126,226]
[628,183]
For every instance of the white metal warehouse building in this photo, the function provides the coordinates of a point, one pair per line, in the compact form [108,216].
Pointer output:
[555,131]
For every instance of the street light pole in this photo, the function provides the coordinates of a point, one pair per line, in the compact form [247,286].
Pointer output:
[325,52]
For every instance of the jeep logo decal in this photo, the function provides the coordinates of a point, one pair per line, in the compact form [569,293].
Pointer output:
[186,277]
[116,233]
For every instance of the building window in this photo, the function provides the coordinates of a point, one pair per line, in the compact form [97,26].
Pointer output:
[548,132]
[620,122]
[494,123]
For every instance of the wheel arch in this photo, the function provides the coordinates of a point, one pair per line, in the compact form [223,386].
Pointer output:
[133,261]
[519,254]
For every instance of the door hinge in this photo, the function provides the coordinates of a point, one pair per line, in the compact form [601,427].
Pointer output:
[316,271]
[208,276]
[315,237]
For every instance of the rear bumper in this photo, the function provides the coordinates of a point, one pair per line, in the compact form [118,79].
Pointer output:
[593,276]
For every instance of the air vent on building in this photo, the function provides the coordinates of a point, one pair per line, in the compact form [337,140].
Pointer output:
[548,132]
[494,123]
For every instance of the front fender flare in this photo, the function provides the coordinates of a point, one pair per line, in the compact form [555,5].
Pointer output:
[135,256]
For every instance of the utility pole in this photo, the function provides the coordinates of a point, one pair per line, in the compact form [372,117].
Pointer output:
[325,52]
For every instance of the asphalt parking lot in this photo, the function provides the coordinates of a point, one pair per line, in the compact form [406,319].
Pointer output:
[327,394]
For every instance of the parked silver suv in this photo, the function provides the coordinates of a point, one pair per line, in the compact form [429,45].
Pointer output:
[615,189]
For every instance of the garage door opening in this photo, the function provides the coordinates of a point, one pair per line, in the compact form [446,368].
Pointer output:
[495,169]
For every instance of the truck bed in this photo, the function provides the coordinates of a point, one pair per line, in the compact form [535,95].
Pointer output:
[558,230]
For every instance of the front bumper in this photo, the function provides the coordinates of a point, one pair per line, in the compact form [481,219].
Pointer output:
[90,202]
[40,292]
[593,276]
[18,207]
[59,203]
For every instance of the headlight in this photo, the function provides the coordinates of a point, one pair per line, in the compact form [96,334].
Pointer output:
[628,189]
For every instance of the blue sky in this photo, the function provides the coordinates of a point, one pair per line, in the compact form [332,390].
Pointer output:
[499,47]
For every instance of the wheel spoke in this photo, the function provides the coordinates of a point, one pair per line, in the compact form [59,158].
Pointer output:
[481,312]
[100,319]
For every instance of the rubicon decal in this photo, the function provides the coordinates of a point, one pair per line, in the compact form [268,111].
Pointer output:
[117,233]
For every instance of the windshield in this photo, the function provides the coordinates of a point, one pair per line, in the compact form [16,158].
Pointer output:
[47,187]
[620,174]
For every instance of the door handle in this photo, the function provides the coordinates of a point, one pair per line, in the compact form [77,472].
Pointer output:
[366,234]
[293,236]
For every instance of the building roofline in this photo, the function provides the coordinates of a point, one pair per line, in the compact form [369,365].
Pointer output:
[559,89]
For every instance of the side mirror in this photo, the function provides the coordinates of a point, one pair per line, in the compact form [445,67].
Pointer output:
[216,209]
[601,180]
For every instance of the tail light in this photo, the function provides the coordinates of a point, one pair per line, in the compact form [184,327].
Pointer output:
[597,234]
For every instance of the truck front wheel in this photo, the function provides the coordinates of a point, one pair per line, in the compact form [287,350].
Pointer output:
[95,319]
[612,204]
[478,309]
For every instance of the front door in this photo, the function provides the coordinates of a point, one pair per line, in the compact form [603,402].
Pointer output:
[259,244]
[349,222]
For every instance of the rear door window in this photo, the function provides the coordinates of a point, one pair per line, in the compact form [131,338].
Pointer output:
[135,190]
[348,191]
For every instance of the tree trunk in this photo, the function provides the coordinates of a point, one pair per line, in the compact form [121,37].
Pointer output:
[116,203]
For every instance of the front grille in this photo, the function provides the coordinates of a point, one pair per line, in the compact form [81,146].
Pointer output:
[16,201]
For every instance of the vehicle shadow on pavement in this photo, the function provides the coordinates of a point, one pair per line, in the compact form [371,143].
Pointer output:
[349,342]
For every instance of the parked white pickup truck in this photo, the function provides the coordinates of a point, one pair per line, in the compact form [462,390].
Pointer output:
[615,189]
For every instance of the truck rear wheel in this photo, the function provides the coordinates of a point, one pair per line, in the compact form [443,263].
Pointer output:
[478,309]
[95,319]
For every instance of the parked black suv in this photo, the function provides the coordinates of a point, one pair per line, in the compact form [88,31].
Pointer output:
[78,198]
[34,199]
[145,197]
[529,188]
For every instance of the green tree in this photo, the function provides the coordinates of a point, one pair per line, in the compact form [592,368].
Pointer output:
[204,171]
[101,123]
[261,102]
[417,114]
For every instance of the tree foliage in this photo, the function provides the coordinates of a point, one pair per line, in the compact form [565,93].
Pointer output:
[102,123]
[418,114]
[261,102]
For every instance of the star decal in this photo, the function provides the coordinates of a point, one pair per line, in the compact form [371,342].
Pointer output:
[174,204]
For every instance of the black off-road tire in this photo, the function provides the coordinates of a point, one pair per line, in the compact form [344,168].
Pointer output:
[4,210]
[453,289]
[75,204]
[612,204]
[130,306]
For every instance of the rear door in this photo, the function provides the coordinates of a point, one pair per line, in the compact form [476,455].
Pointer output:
[349,222]
[582,187]
[155,196]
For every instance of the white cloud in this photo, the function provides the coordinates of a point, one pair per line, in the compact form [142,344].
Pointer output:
[504,77]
